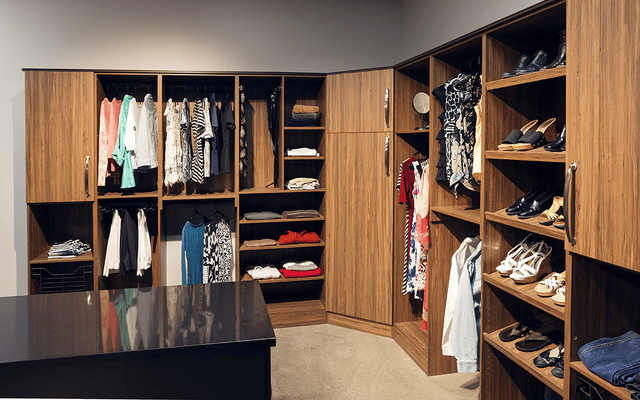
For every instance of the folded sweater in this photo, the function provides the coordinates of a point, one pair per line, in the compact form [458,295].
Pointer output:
[300,274]
[261,215]
[299,266]
[302,109]
[302,152]
[301,214]
[266,272]
[302,184]
[260,242]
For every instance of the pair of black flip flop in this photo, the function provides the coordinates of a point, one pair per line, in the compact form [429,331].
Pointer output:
[532,340]
[526,138]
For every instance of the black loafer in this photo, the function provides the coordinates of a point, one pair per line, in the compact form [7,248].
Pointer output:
[537,206]
[523,201]
[559,144]
[520,65]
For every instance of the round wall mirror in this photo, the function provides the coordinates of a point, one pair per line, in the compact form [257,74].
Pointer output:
[421,106]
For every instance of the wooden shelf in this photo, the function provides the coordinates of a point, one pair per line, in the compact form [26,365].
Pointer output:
[617,391]
[465,213]
[270,190]
[198,196]
[308,158]
[414,132]
[525,360]
[297,313]
[245,221]
[530,225]
[525,292]
[528,78]
[44,259]
[538,155]
[304,128]
[282,246]
[128,195]
[248,277]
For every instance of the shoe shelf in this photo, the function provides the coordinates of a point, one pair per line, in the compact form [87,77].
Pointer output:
[247,277]
[525,360]
[465,213]
[44,259]
[617,391]
[525,292]
[529,225]
[282,246]
[553,73]
[537,155]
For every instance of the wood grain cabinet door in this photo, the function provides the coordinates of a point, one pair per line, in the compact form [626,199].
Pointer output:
[359,226]
[59,130]
[360,101]
[603,122]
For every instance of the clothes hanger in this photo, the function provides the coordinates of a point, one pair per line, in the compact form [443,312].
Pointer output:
[197,217]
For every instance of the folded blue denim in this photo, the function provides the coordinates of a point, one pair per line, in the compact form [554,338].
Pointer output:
[616,359]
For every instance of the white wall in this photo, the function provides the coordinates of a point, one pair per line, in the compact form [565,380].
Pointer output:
[200,35]
[429,24]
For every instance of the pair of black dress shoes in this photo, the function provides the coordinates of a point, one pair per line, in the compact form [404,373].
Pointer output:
[533,203]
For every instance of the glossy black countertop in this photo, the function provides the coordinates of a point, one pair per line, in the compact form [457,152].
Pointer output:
[129,320]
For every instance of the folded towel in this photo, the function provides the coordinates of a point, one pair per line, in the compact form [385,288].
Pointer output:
[260,242]
[261,215]
[301,214]
[302,184]
[302,109]
[299,266]
[266,272]
[302,152]
[300,274]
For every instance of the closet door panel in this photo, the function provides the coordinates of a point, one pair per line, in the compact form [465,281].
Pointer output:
[358,102]
[60,115]
[359,226]
[602,128]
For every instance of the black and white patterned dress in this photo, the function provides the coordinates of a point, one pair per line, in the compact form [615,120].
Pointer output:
[217,251]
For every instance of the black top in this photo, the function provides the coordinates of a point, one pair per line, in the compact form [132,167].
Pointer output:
[91,323]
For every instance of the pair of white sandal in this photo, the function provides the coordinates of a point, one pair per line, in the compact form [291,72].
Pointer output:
[526,261]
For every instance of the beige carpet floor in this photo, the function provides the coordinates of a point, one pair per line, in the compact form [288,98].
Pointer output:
[328,362]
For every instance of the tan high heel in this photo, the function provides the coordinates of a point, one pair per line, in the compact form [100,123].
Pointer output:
[549,216]
[533,139]
[515,135]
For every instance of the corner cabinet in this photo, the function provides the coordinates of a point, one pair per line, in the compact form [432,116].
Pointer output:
[59,128]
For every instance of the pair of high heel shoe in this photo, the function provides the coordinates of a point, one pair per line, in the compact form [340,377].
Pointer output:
[526,138]
[526,261]
[538,62]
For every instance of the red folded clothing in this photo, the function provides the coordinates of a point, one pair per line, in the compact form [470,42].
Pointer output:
[300,274]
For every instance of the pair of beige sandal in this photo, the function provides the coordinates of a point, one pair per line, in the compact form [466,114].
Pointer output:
[553,215]
[553,286]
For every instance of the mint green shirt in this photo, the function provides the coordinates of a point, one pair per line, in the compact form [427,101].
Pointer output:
[120,155]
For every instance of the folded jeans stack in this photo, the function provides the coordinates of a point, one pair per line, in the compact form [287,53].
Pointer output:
[302,184]
[302,115]
[68,249]
[616,359]
[301,214]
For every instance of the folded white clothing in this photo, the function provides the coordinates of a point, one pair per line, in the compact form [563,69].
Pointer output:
[264,273]
[300,266]
[302,152]
[303,184]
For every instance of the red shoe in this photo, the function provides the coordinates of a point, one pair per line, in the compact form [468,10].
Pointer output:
[308,237]
[289,238]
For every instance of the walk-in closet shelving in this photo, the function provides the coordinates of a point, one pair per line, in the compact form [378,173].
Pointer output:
[509,104]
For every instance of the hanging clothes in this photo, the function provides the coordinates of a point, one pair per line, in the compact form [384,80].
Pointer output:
[173,145]
[244,166]
[128,243]
[146,144]
[112,133]
[457,272]
[120,154]
[197,128]
[227,128]
[105,116]
[185,127]
[207,136]
[112,258]
[274,128]
[404,185]
[192,252]
[216,139]
[217,251]
[132,128]
[477,149]
[144,244]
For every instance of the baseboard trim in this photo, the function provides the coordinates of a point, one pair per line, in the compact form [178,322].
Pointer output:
[359,324]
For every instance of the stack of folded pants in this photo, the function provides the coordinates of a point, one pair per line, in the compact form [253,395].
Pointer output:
[616,359]
[302,115]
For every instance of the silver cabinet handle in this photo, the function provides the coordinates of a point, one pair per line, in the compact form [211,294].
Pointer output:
[568,211]
[86,176]
[386,107]
[386,155]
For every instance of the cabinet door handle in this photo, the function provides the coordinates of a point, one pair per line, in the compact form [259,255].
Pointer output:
[386,107]
[386,155]
[86,176]
[568,210]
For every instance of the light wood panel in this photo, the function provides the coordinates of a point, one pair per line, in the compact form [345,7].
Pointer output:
[359,227]
[603,120]
[60,133]
[359,325]
[296,313]
[356,101]
[413,341]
